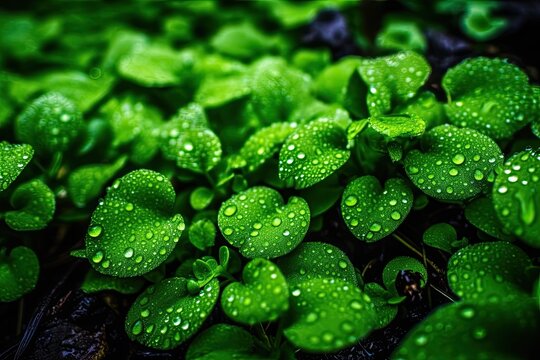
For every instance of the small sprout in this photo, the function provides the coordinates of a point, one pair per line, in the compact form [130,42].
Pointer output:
[259,223]
[312,153]
[134,229]
[264,296]
[19,273]
[484,269]
[481,213]
[167,314]
[371,212]
[328,315]
[51,124]
[14,160]
[96,282]
[491,96]
[202,234]
[401,35]
[202,270]
[396,267]
[441,236]
[382,300]
[455,164]
[516,196]
[35,204]
[201,198]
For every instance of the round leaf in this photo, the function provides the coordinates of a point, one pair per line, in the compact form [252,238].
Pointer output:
[312,153]
[166,314]
[264,296]
[35,206]
[202,234]
[385,311]
[398,264]
[481,213]
[14,160]
[96,282]
[19,272]
[371,212]
[455,163]
[134,229]
[259,223]
[201,197]
[440,236]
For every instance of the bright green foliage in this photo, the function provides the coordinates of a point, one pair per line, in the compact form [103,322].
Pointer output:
[481,213]
[51,123]
[19,272]
[394,266]
[96,282]
[259,223]
[322,196]
[223,341]
[385,311]
[134,229]
[328,314]
[311,61]
[14,157]
[265,143]
[372,212]
[316,260]
[440,236]
[156,65]
[401,35]
[202,234]
[500,328]
[241,41]
[331,84]
[86,182]
[425,105]
[479,23]
[398,125]
[201,197]
[215,92]
[454,164]
[34,203]
[264,296]
[485,269]
[167,314]
[489,95]
[516,196]
[312,153]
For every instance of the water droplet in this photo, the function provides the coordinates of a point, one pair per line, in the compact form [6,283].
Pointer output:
[467,312]
[479,333]
[230,210]
[413,170]
[137,328]
[311,317]
[228,231]
[145,313]
[351,200]
[276,221]
[342,264]
[128,253]
[95,231]
[395,215]
[98,256]
[129,206]
[375,227]
[458,159]
[421,340]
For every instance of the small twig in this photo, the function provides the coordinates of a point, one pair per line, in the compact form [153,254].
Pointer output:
[368,265]
[413,249]
[442,292]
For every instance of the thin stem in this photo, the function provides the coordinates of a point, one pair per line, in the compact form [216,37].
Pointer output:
[55,165]
[413,249]
[442,292]
[260,330]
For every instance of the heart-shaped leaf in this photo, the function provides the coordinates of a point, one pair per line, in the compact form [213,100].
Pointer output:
[14,160]
[259,223]
[332,83]
[264,296]
[327,315]
[96,282]
[398,125]
[516,196]
[312,153]
[481,213]
[487,268]
[202,234]
[316,260]
[134,229]
[35,204]
[371,212]
[19,272]
[489,95]
[455,163]
[50,124]
[440,236]
[385,311]
[399,264]
[166,314]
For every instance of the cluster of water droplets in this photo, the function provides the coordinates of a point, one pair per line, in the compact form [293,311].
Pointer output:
[14,159]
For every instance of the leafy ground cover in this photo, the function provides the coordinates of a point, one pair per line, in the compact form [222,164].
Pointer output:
[269,180]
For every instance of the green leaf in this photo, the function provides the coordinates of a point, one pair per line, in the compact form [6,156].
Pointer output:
[224,256]
[51,123]
[312,153]
[332,83]
[19,273]
[263,296]
[455,163]
[223,341]
[486,269]
[371,212]
[259,223]
[317,260]
[35,204]
[327,315]
[479,23]
[202,234]
[86,182]
[426,106]
[14,157]
[166,314]
[202,270]
[440,236]
[398,264]
[481,213]
[201,197]
[134,229]
[382,300]
[401,35]
[398,125]
[96,282]
[242,41]
[489,95]
[215,92]
[516,196]
[322,196]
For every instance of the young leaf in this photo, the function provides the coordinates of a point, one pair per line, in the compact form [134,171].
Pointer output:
[134,229]
[372,212]
[398,264]
[516,196]
[312,153]
[202,234]
[440,236]
[215,92]
[202,270]
[14,159]
[259,223]
[264,296]
[398,125]
[328,315]
[481,213]
[332,83]
[478,21]
[242,41]
[19,272]
[401,35]
[166,314]
[386,312]
[51,123]
[489,95]
[35,204]
[455,163]
[201,197]
[224,256]
[96,282]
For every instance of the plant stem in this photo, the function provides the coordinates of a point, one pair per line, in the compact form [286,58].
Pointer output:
[260,330]
[442,292]
[413,249]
